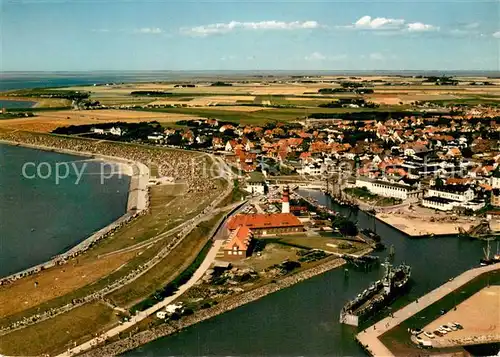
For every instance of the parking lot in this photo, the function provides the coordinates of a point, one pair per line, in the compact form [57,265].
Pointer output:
[479,315]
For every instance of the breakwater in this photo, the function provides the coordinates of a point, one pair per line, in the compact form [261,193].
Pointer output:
[137,205]
[141,338]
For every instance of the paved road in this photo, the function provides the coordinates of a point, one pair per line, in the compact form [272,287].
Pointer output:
[370,337]
[198,274]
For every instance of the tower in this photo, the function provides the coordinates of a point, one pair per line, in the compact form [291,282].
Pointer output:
[285,202]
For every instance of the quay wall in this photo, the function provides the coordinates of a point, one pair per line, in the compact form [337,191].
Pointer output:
[137,204]
[369,338]
[141,338]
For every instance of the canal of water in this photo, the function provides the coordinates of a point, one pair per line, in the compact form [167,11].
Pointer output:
[303,320]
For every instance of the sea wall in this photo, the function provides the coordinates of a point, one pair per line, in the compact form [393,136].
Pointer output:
[137,204]
[141,338]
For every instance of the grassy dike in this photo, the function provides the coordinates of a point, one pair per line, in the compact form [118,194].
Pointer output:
[103,264]
[172,287]
[141,293]
[56,335]
[82,323]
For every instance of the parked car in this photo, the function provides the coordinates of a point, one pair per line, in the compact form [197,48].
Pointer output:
[429,334]
[417,331]
[452,326]
[446,328]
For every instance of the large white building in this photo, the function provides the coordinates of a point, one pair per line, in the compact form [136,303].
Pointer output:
[313,169]
[448,197]
[460,193]
[445,204]
[388,189]
[438,203]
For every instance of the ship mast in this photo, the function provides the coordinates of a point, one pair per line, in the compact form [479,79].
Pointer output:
[386,281]
[487,251]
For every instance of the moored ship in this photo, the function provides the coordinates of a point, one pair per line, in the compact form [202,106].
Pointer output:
[487,260]
[377,295]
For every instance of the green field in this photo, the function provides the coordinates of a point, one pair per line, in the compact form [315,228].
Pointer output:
[57,334]
[261,117]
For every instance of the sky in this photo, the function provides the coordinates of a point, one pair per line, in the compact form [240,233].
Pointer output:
[85,35]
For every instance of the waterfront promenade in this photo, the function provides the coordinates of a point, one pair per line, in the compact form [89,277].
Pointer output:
[369,338]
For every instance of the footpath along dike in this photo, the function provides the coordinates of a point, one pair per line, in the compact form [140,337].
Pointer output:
[141,338]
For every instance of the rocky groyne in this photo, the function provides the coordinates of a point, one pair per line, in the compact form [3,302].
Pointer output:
[141,338]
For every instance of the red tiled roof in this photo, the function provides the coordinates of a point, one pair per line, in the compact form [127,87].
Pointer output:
[262,220]
[240,238]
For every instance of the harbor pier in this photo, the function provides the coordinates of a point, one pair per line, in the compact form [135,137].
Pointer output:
[370,337]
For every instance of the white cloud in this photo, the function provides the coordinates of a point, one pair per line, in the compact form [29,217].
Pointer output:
[221,28]
[496,34]
[472,25]
[376,56]
[149,30]
[337,57]
[318,56]
[378,23]
[420,27]
[100,30]
[388,25]
[315,56]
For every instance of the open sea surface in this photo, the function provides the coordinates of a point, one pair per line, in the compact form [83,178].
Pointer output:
[39,218]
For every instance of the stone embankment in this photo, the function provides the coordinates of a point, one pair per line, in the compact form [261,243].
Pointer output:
[141,338]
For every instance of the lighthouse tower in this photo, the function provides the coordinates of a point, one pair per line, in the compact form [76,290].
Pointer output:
[285,202]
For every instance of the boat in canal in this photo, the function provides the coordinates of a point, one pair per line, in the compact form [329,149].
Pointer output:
[378,295]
